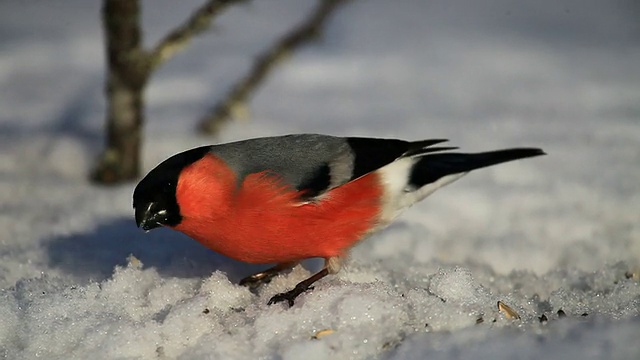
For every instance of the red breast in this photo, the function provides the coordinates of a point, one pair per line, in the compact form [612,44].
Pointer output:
[262,219]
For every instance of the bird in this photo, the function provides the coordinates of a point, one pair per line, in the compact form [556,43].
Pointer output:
[283,199]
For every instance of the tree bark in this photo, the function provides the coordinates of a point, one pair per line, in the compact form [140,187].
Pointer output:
[129,67]
[127,74]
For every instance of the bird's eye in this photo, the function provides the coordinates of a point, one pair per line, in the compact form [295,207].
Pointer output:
[167,188]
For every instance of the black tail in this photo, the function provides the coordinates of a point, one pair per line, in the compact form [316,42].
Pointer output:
[432,167]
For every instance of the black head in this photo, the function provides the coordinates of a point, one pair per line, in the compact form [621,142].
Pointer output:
[154,198]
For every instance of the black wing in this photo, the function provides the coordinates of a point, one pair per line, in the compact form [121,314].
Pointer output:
[370,154]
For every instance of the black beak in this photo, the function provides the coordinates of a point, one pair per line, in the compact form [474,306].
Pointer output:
[150,216]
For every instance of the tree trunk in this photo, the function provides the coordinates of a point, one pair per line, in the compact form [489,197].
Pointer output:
[127,74]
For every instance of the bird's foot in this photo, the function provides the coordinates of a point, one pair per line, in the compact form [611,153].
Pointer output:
[256,280]
[253,282]
[302,286]
[289,296]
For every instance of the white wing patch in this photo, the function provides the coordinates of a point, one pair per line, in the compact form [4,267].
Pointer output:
[398,194]
[416,195]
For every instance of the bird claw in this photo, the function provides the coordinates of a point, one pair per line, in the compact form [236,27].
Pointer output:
[255,281]
[288,296]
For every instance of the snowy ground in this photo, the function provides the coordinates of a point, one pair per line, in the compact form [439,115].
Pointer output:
[541,235]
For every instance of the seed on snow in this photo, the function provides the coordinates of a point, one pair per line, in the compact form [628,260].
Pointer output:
[321,333]
[508,311]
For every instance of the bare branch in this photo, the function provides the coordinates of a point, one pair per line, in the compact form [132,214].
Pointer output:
[234,101]
[178,39]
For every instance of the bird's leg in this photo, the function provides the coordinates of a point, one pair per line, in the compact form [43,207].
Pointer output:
[331,266]
[264,277]
[302,286]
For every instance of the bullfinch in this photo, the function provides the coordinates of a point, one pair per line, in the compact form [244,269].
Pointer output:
[282,199]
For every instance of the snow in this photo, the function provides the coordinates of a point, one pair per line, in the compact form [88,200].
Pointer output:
[561,232]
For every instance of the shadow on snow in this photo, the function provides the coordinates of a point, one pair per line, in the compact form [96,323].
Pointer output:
[93,255]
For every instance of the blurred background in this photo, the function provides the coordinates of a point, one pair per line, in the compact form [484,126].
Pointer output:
[563,75]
